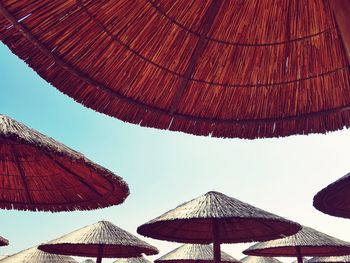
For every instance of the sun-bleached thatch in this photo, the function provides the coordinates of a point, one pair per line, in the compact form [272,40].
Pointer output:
[88,261]
[339,259]
[132,260]
[256,259]
[40,173]
[3,256]
[243,69]
[194,253]
[192,222]
[34,255]
[307,242]
[103,237]
[335,198]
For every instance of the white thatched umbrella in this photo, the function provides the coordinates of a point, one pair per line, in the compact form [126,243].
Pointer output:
[101,240]
[34,255]
[307,242]
[256,259]
[132,260]
[40,173]
[216,218]
[339,259]
[194,253]
[88,261]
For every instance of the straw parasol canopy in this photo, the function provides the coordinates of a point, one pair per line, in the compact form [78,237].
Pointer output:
[3,242]
[34,255]
[194,253]
[256,259]
[216,218]
[88,261]
[132,260]
[307,242]
[340,259]
[102,240]
[39,173]
[248,69]
[335,199]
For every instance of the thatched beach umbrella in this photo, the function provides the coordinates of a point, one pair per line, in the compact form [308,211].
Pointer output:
[307,242]
[34,255]
[3,242]
[216,218]
[132,260]
[100,240]
[88,261]
[335,198]
[340,259]
[223,68]
[194,253]
[256,259]
[39,173]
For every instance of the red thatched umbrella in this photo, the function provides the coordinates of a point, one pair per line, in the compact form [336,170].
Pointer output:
[101,240]
[39,173]
[194,253]
[335,198]
[257,68]
[307,242]
[216,218]
[34,255]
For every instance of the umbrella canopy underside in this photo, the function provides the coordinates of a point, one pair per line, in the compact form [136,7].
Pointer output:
[334,199]
[340,259]
[105,236]
[249,69]
[39,173]
[193,222]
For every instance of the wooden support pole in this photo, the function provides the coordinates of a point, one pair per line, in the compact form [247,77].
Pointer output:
[99,254]
[299,256]
[216,242]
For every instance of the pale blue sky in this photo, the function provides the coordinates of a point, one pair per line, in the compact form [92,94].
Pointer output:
[164,169]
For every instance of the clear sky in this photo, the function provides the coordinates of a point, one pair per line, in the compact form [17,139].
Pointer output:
[164,169]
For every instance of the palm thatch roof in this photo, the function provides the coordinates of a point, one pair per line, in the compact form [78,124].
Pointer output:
[340,259]
[256,259]
[192,222]
[43,174]
[243,69]
[307,242]
[334,199]
[88,261]
[34,255]
[88,241]
[132,260]
[192,253]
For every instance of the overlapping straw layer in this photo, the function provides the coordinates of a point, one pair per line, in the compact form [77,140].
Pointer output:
[192,222]
[88,261]
[307,242]
[39,173]
[194,253]
[248,69]
[334,199]
[34,255]
[256,259]
[87,241]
